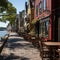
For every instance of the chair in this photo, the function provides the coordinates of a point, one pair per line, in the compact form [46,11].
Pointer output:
[58,56]
[35,41]
[44,51]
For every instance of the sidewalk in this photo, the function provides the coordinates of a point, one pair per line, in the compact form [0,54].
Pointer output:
[17,48]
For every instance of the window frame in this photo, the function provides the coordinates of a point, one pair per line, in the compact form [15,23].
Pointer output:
[44,4]
[44,27]
[37,10]
[40,7]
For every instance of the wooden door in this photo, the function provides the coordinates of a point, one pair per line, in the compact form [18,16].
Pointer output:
[59,29]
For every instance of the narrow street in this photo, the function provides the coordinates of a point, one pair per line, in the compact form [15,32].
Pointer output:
[17,48]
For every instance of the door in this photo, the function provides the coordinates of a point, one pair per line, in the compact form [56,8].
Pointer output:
[59,29]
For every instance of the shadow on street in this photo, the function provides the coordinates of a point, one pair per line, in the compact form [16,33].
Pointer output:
[13,57]
[17,48]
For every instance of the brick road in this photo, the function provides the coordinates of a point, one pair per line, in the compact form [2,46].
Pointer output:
[17,48]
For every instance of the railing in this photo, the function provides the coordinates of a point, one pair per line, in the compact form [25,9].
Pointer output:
[3,42]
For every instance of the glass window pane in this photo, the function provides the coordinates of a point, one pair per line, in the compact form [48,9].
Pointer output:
[44,4]
[46,27]
[37,10]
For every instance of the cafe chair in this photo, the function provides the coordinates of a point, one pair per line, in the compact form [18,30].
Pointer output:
[58,55]
[44,51]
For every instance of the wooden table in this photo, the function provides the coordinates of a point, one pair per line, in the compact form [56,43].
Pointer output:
[53,46]
[52,43]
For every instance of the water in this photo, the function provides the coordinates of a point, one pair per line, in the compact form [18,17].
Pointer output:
[3,33]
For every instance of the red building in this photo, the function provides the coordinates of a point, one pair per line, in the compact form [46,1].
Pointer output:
[47,11]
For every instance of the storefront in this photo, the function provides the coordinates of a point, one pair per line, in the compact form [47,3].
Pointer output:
[44,28]
[56,27]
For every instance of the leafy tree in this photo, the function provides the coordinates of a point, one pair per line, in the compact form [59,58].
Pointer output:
[3,5]
[12,13]
[6,6]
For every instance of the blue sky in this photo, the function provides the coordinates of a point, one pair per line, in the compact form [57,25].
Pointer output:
[19,4]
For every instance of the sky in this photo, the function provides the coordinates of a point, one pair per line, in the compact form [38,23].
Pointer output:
[19,4]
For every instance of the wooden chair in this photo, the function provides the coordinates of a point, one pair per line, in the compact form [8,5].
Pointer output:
[58,56]
[44,51]
[34,41]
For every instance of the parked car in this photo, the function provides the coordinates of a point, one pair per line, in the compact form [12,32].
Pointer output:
[3,32]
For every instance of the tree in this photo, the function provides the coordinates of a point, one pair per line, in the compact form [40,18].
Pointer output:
[12,13]
[3,5]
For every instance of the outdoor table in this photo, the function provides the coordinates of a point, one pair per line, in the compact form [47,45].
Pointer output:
[53,46]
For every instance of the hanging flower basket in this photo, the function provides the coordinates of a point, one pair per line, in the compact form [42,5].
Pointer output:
[34,21]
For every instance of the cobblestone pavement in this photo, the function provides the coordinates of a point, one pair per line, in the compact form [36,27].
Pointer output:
[17,48]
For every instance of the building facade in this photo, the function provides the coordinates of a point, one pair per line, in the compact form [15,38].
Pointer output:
[29,8]
[47,13]
[56,19]
[19,22]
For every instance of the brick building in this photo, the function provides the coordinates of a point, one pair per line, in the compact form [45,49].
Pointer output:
[46,13]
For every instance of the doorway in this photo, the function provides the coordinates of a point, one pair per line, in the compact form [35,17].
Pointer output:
[59,29]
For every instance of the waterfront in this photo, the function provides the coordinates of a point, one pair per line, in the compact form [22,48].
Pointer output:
[3,33]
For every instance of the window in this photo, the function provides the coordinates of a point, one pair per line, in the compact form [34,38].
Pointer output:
[44,28]
[44,2]
[31,3]
[37,10]
[40,7]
